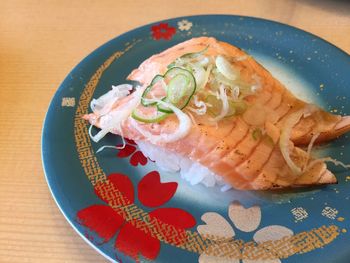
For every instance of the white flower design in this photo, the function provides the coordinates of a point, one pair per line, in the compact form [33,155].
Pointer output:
[184,25]
[244,219]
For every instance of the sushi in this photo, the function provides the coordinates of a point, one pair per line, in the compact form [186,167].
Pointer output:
[208,110]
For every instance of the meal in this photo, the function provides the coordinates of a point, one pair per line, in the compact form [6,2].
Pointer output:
[208,110]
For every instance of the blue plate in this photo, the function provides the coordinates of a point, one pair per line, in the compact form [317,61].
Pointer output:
[126,209]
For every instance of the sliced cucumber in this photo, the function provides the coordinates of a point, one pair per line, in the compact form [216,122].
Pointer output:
[176,90]
[148,101]
[157,117]
[180,88]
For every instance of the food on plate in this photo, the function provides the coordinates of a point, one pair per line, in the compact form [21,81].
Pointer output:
[209,110]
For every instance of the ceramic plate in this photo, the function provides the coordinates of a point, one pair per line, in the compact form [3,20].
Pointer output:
[127,209]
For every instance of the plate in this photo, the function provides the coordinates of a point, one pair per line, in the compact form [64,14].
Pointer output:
[127,209]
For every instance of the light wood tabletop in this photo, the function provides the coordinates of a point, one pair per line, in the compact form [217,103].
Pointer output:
[40,42]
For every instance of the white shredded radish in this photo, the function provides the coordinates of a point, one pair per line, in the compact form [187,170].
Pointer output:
[286,131]
[309,148]
[202,107]
[206,77]
[225,105]
[199,75]
[328,159]
[235,93]
[120,131]
[225,68]
[111,147]
[102,133]
[103,104]
[112,120]
[197,111]
[182,130]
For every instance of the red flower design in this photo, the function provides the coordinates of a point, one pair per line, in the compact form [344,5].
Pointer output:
[137,156]
[106,221]
[163,30]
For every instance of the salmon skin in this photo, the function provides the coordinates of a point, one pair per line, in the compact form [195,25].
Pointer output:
[246,149]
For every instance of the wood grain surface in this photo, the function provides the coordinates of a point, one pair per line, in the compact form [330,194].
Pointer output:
[40,42]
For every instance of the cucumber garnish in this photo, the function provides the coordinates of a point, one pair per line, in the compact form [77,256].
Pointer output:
[148,101]
[180,88]
[159,116]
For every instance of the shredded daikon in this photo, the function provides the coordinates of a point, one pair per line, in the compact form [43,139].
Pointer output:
[90,131]
[181,131]
[225,105]
[111,146]
[112,120]
[202,107]
[120,131]
[285,140]
[286,131]
[104,103]
[197,111]
[235,93]
[309,148]
[328,159]
[206,77]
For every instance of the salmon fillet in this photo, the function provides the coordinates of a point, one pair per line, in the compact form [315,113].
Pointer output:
[231,149]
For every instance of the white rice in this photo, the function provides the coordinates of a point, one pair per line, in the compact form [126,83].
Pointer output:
[193,172]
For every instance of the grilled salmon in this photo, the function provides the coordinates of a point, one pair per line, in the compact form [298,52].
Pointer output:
[255,147]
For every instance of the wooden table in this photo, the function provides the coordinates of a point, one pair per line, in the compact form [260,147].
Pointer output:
[40,42]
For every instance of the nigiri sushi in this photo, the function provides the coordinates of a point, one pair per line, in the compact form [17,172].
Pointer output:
[209,110]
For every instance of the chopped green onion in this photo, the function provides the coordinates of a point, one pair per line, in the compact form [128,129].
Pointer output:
[235,107]
[257,133]
[220,78]
[225,68]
